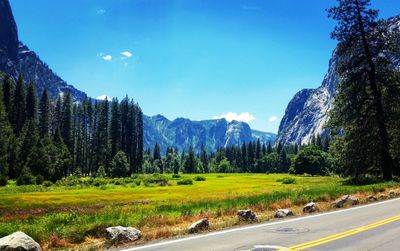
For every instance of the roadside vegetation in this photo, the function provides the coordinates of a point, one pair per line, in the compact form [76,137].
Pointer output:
[75,211]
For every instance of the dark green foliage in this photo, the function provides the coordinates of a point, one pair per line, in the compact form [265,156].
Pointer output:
[199,178]
[26,177]
[190,162]
[185,182]
[19,105]
[312,161]
[3,180]
[44,115]
[368,91]
[31,109]
[119,165]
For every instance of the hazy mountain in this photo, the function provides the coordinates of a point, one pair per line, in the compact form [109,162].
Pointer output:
[308,111]
[213,134]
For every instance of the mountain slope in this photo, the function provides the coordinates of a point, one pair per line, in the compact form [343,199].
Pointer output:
[16,58]
[308,111]
[213,134]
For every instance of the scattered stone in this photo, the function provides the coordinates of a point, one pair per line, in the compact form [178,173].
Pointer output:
[382,196]
[393,193]
[198,226]
[18,241]
[339,203]
[372,198]
[353,200]
[247,215]
[310,207]
[282,213]
[121,234]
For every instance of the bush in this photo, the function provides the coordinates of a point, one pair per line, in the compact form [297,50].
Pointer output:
[199,178]
[26,177]
[119,165]
[39,179]
[155,179]
[311,160]
[3,181]
[287,180]
[47,183]
[185,182]
[176,176]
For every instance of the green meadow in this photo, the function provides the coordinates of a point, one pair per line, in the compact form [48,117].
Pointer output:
[76,210]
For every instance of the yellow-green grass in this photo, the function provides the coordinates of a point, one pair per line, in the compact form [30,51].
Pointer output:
[74,214]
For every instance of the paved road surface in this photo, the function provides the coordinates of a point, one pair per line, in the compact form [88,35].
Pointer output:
[370,227]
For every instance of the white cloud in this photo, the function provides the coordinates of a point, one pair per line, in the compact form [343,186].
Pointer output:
[126,54]
[273,118]
[107,58]
[245,117]
[104,97]
[100,11]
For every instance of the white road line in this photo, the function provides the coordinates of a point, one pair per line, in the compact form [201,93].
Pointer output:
[255,226]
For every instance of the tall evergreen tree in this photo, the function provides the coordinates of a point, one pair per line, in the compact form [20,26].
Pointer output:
[8,96]
[359,107]
[31,109]
[19,105]
[115,127]
[67,121]
[44,115]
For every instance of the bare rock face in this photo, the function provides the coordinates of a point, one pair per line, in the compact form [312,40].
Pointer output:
[310,208]
[307,113]
[246,215]
[119,234]
[282,213]
[198,226]
[18,241]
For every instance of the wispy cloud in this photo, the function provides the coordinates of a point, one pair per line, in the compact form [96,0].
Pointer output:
[273,118]
[244,117]
[126,54]
[100,11]
[104,97]
[107,58]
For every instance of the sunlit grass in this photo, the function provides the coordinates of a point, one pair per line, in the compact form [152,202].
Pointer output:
[76,213]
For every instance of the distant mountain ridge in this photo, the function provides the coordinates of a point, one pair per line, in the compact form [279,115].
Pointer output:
[16,58]
[308,112]
[213,134]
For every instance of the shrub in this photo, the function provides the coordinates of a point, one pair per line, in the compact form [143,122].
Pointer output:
[47,183]
[311,160]
[287,180]
[199,178]
[39,179]
[3,181]
[155,179]
[26,177]
[119,165]
[185,182]
[176,176]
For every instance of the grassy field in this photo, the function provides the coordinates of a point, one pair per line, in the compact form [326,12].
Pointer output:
[68,215]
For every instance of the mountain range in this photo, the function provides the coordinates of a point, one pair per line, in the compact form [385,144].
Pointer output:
[307,113]
[16,58]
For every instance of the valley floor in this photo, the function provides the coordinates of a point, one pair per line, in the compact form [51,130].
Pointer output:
[73,214]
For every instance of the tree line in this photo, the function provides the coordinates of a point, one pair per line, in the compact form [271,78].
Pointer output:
[251,157]
[45,140]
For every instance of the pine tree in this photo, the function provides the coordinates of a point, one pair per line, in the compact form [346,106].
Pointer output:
[31,109]
[269,148]
[18,111]
[8,96]
[190,161]
[139,140]
[157,152]
[359,107]
[44,115]
[115,127]
[67,121]
[204,158]
[6,139]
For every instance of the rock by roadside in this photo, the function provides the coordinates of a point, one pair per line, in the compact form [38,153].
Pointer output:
[339,203]
[18,241]
[310,208]
[247,215]
[282,213]
[198,226]
[119,234]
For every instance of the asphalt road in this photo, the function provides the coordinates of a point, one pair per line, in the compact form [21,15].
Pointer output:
[369,227]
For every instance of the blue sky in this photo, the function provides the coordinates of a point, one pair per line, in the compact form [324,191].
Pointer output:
[198,59]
